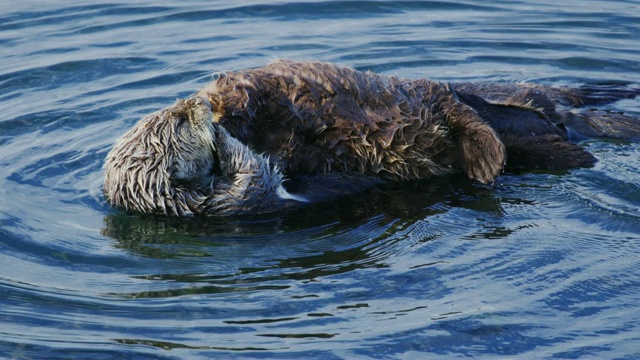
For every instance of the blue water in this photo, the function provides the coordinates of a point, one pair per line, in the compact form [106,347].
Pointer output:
[542,265]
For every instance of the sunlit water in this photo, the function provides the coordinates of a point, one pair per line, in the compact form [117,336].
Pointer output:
[540,265]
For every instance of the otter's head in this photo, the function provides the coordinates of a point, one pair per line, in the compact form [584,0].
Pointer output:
[177,161]
[150,166]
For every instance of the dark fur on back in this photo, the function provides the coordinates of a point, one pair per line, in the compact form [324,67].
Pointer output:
[314,117]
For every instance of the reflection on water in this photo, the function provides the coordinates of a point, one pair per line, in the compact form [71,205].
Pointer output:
[539,265]
[329,238]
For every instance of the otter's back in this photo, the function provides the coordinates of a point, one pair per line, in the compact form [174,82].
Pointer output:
[314,117]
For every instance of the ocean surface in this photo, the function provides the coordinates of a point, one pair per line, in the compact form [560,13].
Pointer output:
[540,265]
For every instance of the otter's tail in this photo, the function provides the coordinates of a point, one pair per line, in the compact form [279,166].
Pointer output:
[592,95]
[544,96]
[602,124]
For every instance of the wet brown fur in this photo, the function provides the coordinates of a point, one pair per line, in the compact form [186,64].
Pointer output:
[177,162]
[313,118]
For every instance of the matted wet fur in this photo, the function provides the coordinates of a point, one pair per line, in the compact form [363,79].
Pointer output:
[228,149]
[315,118]
[178,162]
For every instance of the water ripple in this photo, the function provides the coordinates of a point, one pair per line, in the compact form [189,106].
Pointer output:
[538,265]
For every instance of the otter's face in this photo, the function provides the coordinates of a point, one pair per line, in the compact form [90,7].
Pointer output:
[146,167]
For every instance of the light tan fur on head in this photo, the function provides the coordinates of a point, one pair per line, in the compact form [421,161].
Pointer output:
[178,162]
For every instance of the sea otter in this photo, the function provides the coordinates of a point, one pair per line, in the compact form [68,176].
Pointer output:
[229,148]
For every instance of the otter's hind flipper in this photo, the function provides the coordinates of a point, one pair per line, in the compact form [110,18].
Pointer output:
[512,119]
[550,152]
[532,141]
[593,123]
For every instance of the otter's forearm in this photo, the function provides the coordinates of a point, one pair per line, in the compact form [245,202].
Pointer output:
[248,183]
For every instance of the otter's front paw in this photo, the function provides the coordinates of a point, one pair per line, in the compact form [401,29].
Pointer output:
[483,154]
